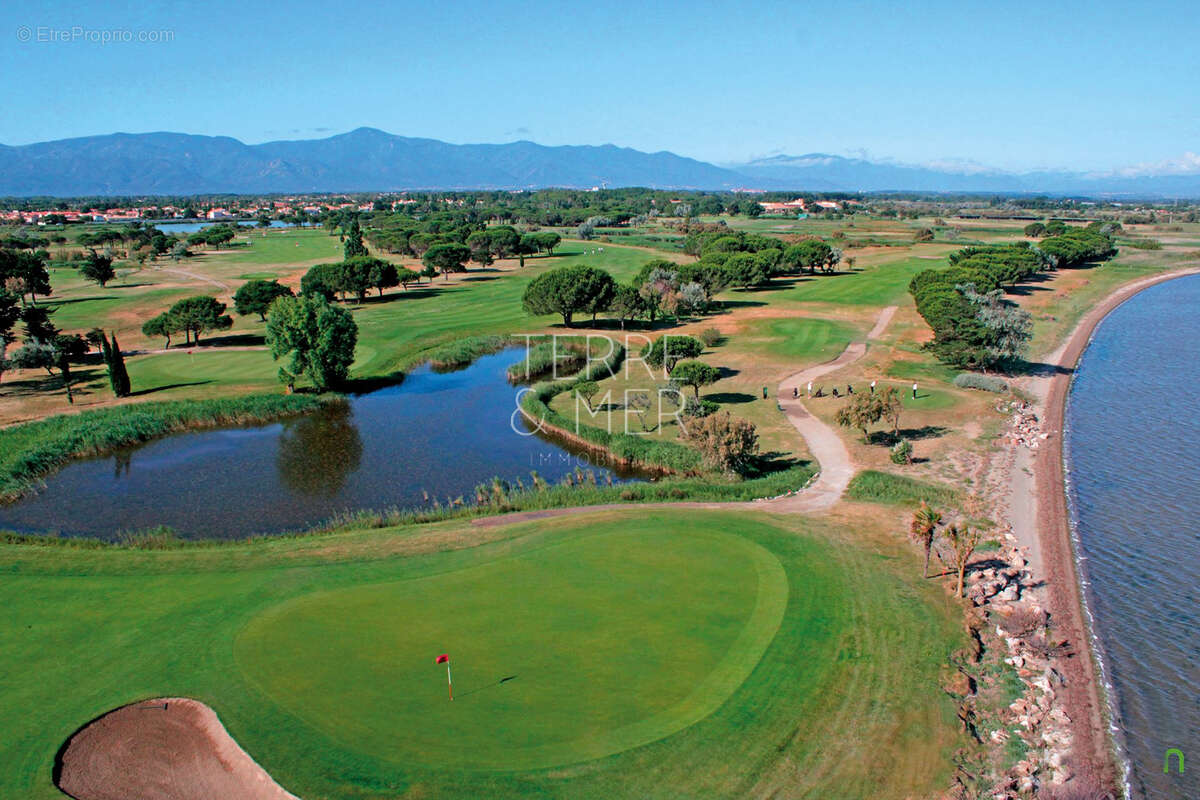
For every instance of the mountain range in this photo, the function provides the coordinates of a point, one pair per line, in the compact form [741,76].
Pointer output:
[367,159]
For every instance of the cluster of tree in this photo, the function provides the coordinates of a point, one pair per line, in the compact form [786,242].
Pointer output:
[750,260]
[135,240]
[356,276]
[43,346]
[26,241]
[190,316]
[23,273]
[1077,246]
[406,235]
[962,540]
[974,327]
[660,288]
[213,236]
[664,288]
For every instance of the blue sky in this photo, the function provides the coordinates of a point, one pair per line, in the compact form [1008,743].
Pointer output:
[1017,85]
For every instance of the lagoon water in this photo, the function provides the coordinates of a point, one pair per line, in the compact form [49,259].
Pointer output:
[1133,456]
[436,435]
[199,225]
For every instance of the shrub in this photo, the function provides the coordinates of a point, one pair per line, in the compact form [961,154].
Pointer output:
[1145,244]
[902,452]
[726,443]
[711,337]
[973,380]
[697,407]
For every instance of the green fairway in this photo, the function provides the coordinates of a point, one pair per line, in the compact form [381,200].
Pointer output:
[878,285]
[606,640]
[655,653]
[804,340]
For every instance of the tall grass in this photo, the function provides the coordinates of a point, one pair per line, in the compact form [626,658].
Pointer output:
[555,357]
[31,450]
[872,486]
[581,488]
[461,352]
[630,449]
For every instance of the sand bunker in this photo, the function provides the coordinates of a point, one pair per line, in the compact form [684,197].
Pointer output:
[170,748]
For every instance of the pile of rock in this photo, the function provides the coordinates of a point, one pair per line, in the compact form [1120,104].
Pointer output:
[1003,589]
[1023,427]
[997,585]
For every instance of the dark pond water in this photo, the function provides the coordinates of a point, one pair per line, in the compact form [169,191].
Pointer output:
[432,436]
[1133,449]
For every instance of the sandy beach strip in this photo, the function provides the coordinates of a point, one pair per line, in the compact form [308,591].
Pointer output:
[1044,528]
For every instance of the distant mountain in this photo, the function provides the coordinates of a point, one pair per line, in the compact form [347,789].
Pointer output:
[362,160]
[824,172]
[372,160]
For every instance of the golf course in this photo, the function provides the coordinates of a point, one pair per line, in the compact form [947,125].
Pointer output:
[737,615]
[656,654]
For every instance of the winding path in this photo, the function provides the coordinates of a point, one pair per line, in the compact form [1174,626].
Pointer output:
[824,444]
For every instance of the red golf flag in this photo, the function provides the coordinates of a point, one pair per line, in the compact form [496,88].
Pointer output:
[442,659]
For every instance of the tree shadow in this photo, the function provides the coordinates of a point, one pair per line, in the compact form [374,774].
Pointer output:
[57,302]
[1038,369]
[358,386]
[29,387]
[924,432]
[1025,291]
[772,461]
[235,340]
[428,290]
[889,439]
[729,305]
[986,563]
[730,397]
[728,372]
[166,386]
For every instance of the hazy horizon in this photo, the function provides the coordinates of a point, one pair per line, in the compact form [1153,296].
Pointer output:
[1014,88]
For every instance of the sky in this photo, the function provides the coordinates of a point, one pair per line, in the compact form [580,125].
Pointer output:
[1080,85]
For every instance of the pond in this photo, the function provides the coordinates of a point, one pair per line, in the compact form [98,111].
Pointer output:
[199,225]
[435,435]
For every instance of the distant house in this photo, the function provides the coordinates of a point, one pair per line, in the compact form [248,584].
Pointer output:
[787,207]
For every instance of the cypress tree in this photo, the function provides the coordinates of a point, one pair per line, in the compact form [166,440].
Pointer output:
[117,373]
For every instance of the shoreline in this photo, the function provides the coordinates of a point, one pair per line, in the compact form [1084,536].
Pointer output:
[1095,754]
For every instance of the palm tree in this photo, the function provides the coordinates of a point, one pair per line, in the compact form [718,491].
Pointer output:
[923,529]
[963,540]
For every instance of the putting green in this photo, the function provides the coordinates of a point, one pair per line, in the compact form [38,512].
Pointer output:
[608,641]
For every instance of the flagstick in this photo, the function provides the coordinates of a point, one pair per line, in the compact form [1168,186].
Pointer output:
[449,683]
